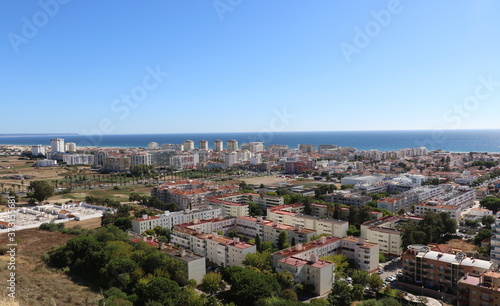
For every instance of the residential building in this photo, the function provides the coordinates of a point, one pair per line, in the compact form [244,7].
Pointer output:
[314,271]
[290,215]
[161,158]
[194,265]
[188,145]
[203,145]
[405,199]
[495,242]
[253,147]
[190,194]
[363,252]
[232,145]
[228,252]
[99,157]
[479,289]
[307,148]
[361,179]
[386,233]
[70,147]
[438,270]
[38,150]
[46,163]
[345,197]
[218,145]
[172,147]
[142,158]
[78,159]
[230,158]
[169,219]
[153,146]
[57,145]
[184,161]
[117,163]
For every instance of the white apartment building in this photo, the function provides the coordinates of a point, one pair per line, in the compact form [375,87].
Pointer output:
[495,242]
[169,219]
[285,214]
[70,147]
[228,252]
[140,159]
[38,150]
[218,145]
[230,158]
[314,271]
[46,163]
[188,145]
[232,145]
[253,147]
[384,232]
[203,145]
[172,147]
[361,179]
[184,161]
[363,252]
[78,159]
[153,145]
[194,265]
[57,145]
[405,199]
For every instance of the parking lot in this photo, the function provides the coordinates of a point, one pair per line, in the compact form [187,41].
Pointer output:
[390,268]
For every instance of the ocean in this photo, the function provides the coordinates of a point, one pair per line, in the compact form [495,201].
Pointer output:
[449,140]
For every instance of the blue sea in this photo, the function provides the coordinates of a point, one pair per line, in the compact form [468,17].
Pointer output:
[449,140]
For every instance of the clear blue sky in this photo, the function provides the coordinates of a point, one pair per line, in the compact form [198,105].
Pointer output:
[231,67]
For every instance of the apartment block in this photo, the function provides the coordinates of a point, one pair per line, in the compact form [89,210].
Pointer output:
[363,252]
[228,252]
[193,264]
[384,232]
[345,197]
[483,289]
[438,270]
[405,199]
[169,219]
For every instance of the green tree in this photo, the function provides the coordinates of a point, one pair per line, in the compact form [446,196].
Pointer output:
[340,294]
[375,282]
[42,190]
[491,203]
[289,294]
[259,260]
[340,262]
[248,286]
[282,239]
[212,282]
[353,231]
[357,292]
[360,277]
[160,290]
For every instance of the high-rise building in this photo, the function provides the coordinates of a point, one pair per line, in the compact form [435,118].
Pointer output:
[495,242]
[70,147]
[38,150]
[203,145]
[218,145]
[172,147]
[153,145]
[188,145]
[232,145]
[57,145]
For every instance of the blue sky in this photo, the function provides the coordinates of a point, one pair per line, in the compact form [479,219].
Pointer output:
[238,65]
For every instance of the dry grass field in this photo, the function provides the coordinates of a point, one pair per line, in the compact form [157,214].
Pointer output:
[37,284]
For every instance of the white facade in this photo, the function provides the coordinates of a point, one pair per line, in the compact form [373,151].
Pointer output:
[46,163]
[188,145]
[169,219]
[70,147]
[495,242]
[230,158]
[38,150]
[203,145]
[78,159]
[172,147]
[218,145]
[232,145]
[57,145]
[253,147]
[153,145]
[140,159]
